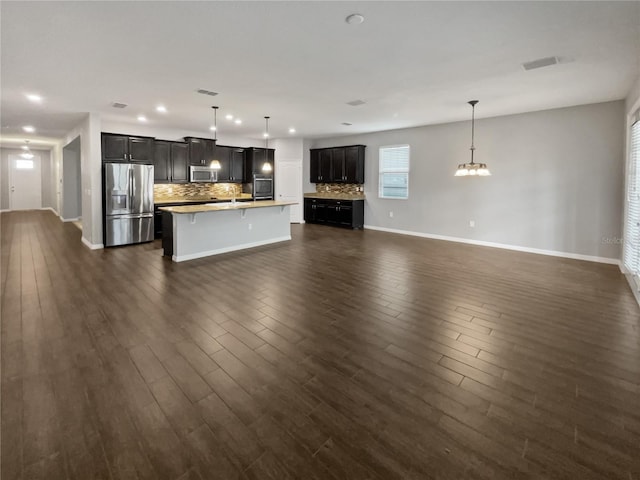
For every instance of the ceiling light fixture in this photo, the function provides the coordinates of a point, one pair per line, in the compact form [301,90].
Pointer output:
[161,109]
[266,166]
[472,169]
[354,19]
[229,117]
[34,98]
[29,129]
[27,153]
[142,118]
[237,121]
[292,130]
[215,164]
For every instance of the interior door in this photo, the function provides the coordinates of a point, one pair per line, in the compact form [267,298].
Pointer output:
[289,187]
[25,183]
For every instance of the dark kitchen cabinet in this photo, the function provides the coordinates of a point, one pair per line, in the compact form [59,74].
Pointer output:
[320,165]
[126,148]
[339,213]
[255,161]
[337,164]
[170,162]
[232,161]
[201,150]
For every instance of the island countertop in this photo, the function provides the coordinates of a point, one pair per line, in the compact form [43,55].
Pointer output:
[183,209]
[335,195]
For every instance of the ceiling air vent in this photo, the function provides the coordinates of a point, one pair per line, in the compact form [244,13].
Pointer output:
[347,124]
[539,63]
[118,105]
[355,103]
[206,92]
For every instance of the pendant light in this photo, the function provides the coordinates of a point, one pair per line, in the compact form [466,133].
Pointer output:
[472,169]
[27,152]
[215,164]
[266,166]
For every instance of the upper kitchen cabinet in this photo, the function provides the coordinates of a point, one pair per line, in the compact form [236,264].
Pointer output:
[201,150]
[231,164]
[337,164]
[125,148]
[170,162]
[320,167]
[256,158]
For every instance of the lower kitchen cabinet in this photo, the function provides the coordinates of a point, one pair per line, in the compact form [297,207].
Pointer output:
[339,213]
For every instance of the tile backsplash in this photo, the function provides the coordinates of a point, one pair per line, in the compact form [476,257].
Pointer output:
[195,190]
[350,188]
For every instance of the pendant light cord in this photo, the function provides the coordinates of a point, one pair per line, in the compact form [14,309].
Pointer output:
[266,138]
[215,124]
[473,123]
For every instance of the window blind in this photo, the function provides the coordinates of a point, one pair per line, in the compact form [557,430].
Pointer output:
[394,172]
[631,255]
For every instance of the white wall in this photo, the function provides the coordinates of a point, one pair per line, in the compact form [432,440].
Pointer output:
[46,171]
[71,181]
[91,163]
[556,186]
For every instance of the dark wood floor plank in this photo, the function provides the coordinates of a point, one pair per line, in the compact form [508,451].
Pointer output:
[355,355]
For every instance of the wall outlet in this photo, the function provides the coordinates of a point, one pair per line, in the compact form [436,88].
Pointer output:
[390,214]
[250,226]
[472,223]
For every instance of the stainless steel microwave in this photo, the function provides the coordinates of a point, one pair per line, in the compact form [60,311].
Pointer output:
[202,174]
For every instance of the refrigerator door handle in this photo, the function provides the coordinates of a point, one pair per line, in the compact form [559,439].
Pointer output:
[132,215]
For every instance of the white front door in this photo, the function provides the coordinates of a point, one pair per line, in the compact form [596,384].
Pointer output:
[289,187]
[25,183]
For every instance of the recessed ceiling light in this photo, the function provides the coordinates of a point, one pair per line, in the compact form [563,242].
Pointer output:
[265,135]
[161,109]
[142,118]
[212,128]
[354,19]
[292,130]
[34,98]
[25,147]
[237,121]
[229,117]
[29,129]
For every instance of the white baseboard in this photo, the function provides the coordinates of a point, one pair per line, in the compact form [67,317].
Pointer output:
[539,251]
[193,256]
[92,246]
[70,219]
[634,286]
[5,210]
[53,210]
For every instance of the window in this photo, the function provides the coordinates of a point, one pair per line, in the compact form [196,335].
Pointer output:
[631,255]
[394,172]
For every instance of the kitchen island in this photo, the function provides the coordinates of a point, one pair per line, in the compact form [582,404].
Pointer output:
[211,229]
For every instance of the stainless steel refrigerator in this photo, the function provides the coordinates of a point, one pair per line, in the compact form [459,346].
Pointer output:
[128,203]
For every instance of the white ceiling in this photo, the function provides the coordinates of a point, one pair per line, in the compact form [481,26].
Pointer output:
[413,63]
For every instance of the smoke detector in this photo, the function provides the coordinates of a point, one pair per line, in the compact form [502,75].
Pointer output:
[354,19]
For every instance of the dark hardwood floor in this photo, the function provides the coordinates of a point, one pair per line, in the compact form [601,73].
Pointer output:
[338,355]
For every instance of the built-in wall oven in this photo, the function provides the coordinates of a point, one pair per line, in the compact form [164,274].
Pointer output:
[262,187]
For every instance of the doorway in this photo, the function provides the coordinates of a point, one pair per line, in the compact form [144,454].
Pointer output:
[25,183]
[289,187]
[71,183]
